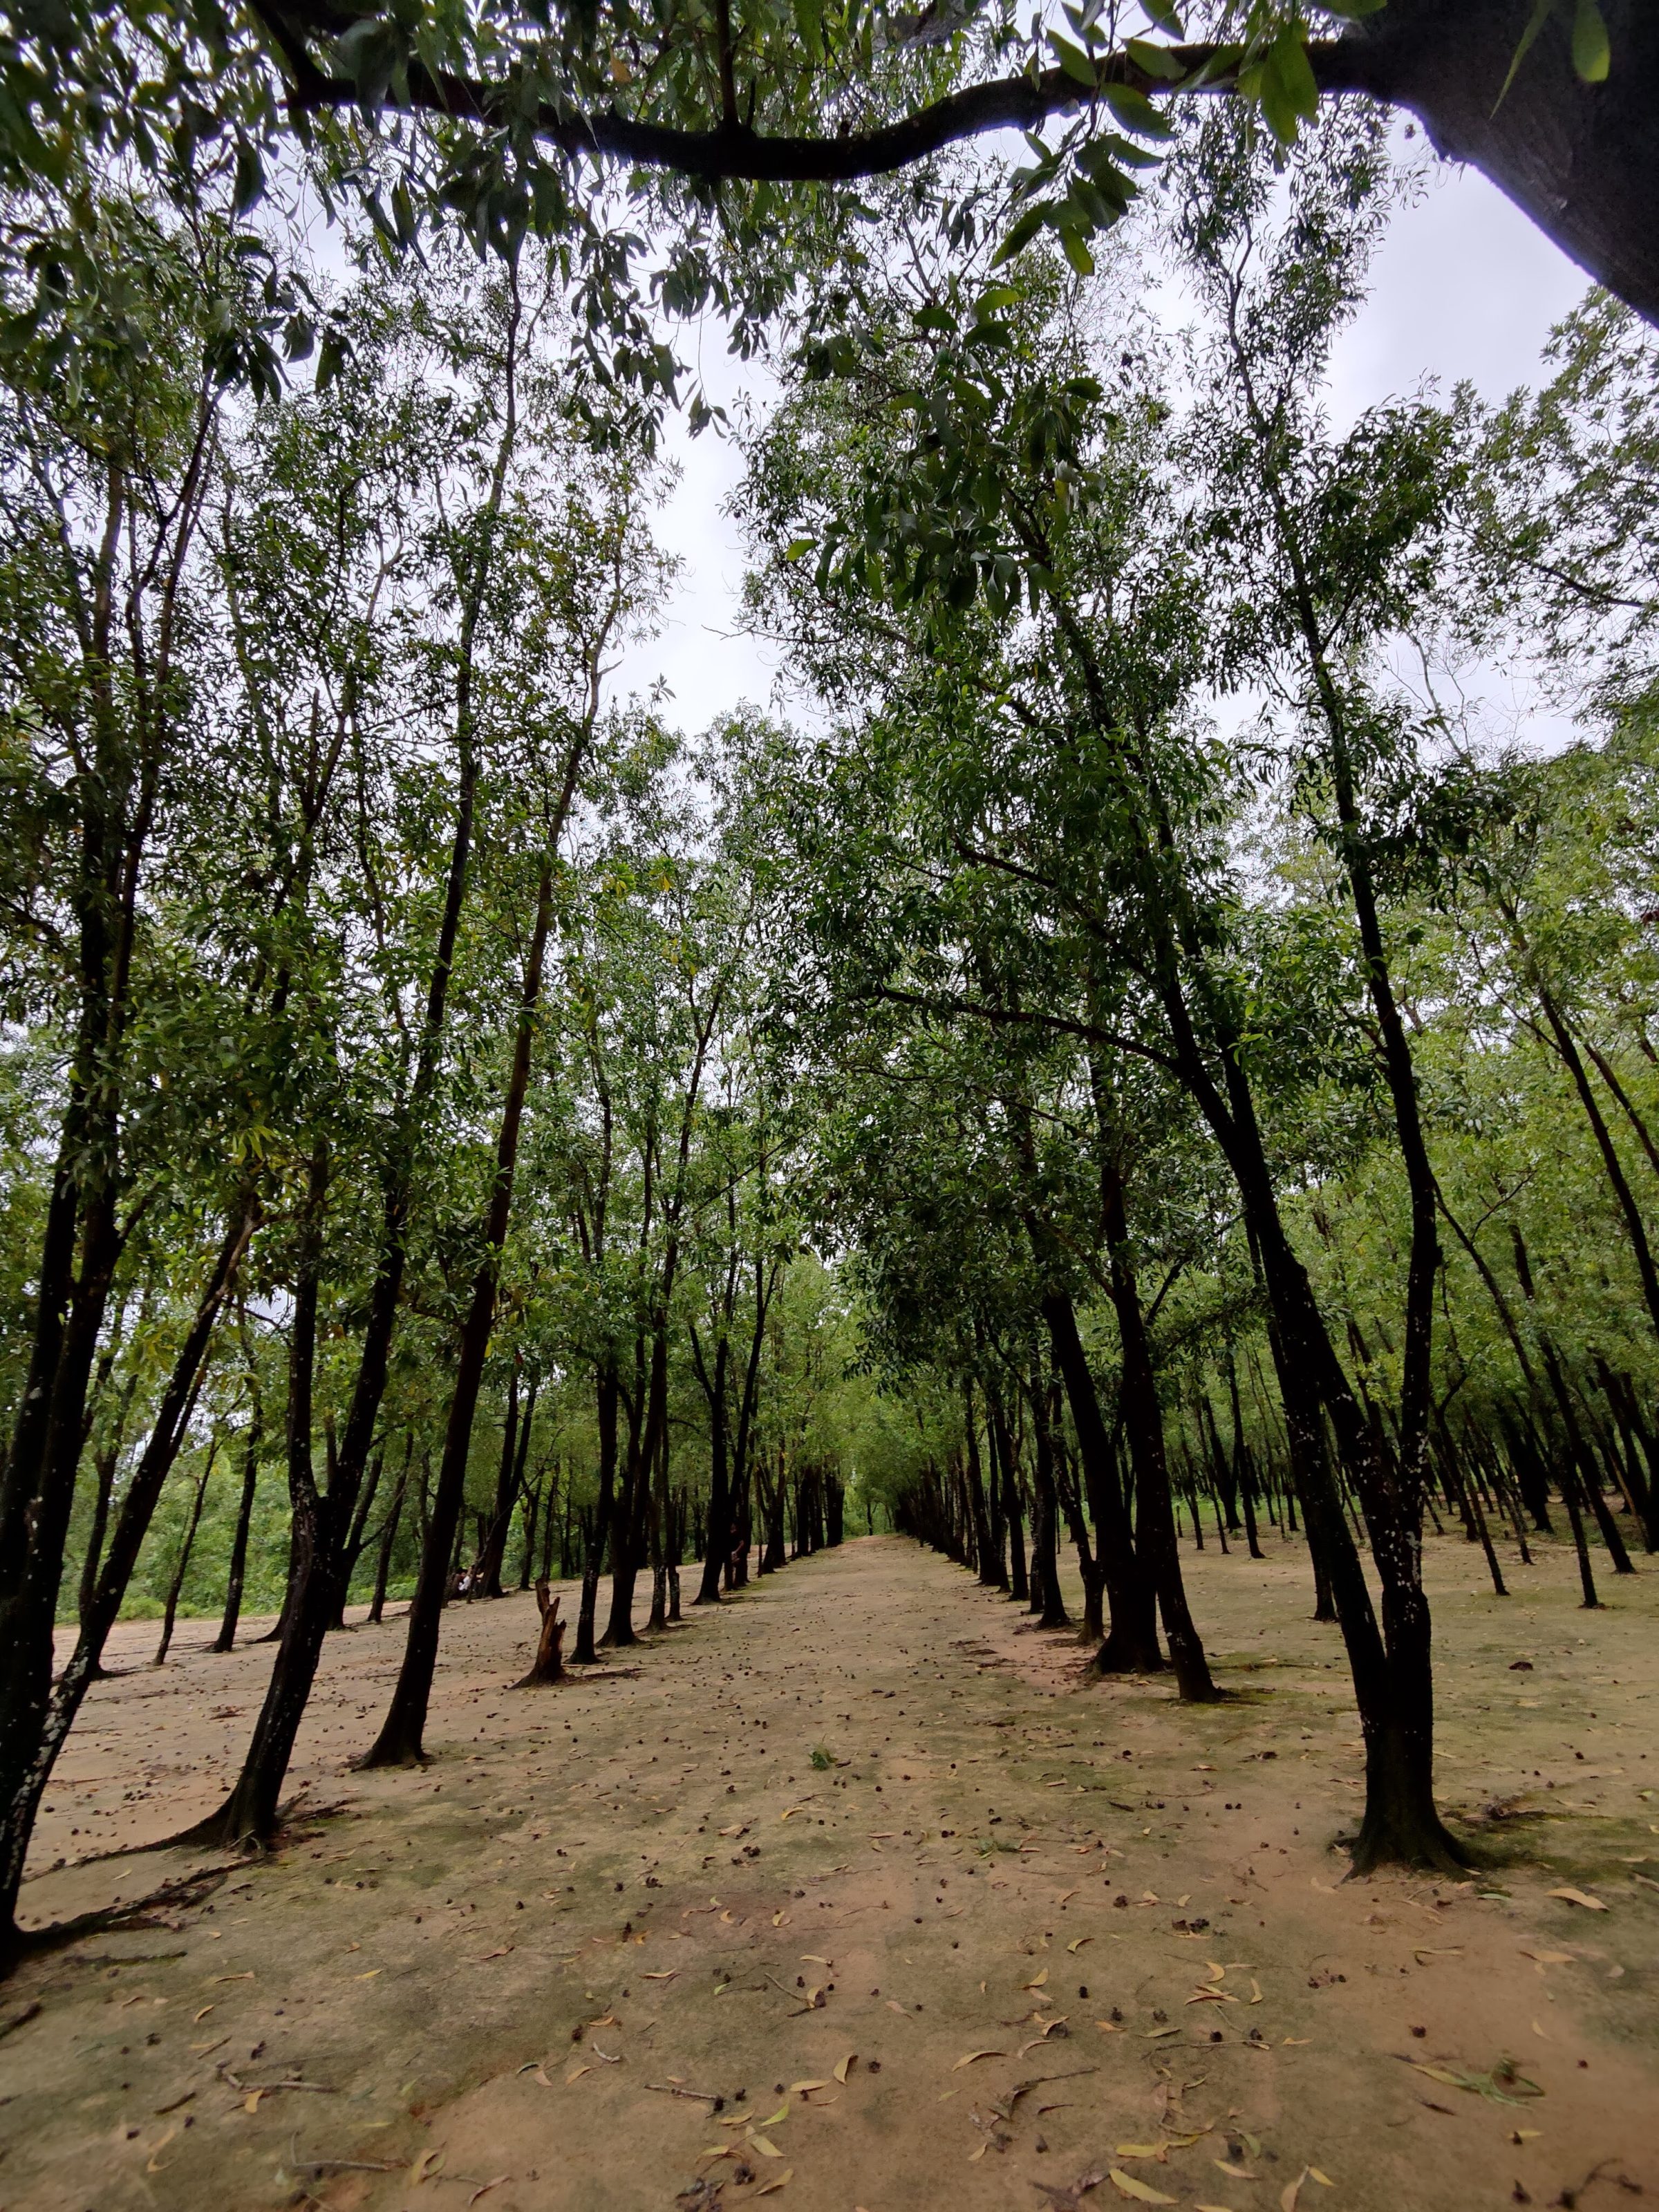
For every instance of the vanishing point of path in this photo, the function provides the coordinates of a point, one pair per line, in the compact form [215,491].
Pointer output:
[1015,1939]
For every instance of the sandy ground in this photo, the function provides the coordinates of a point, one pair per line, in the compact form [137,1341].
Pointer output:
[1018,1939]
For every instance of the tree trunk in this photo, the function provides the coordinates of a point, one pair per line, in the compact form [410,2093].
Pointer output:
[400,1740]
[225,1641]
[170,1611]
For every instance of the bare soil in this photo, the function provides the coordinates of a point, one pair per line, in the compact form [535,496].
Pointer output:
[1047,1928]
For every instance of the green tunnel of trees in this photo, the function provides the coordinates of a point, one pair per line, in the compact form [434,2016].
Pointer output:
[1134,1047]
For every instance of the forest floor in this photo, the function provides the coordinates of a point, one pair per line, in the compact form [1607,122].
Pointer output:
[1020,1938]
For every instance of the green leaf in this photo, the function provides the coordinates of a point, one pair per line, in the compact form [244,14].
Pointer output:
[1075,247]
[1167,18]
[1073,60]
[1021,234]
[1591,55]
[1536,22]
[1154,61]
[1134,110]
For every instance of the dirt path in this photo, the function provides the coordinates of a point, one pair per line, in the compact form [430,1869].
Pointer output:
[490,1977]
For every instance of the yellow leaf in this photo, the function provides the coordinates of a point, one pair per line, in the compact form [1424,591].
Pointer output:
[811,1959]
[1143,2192]
[425,2166]
[1238,2173]
[973,2055]
[1580,1896]
[251,2102]
[804,2088]
[1039,1981]
[1144,2150]
[1439,2073]
[1080,1943]
[766,2149]
[1323,2179]
[844,2066]
[1543,1957]
[1154,2034]
[776,2119]
[577,2073]
[1213,2207]
[767,2187]
[1288,2194]
[370,1975]
[667,1974]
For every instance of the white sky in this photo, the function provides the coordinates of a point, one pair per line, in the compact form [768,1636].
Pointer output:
[1464,288]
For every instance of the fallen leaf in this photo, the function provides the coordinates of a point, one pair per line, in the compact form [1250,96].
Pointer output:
[1144,2150]
[1080,1943]
[1126,2186]
[667,1974]
[767,2187]
[1544,1959]
[1323,2179]
[1038,1983]
[425,2167]
[973,2055]
[577,2074]
[1580,1896]
[806,2088]
[844,2066]
[1288,2194]
[767,2149]
[251,2102]
[203,2015]
[370,1975]
[1238,2173]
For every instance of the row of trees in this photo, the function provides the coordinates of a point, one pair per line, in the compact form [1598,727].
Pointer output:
[382,1006]
[1127,1043]
[1233,1022]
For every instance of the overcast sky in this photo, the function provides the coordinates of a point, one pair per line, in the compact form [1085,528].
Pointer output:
[1464,288]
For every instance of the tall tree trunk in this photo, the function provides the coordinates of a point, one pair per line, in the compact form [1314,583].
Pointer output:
[226,1639]
[26,1777]
[389,1535]
[170,1611]
[1143,1422]
[249,1814]
[400,1740]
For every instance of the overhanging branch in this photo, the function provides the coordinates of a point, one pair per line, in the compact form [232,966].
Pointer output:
[732,150]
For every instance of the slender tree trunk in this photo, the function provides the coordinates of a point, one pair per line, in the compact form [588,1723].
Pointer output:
[226,1639]
[1143,1421]
[400,1740]
[25,1779]
[389,1535]
[595,1532]
[170,1611]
